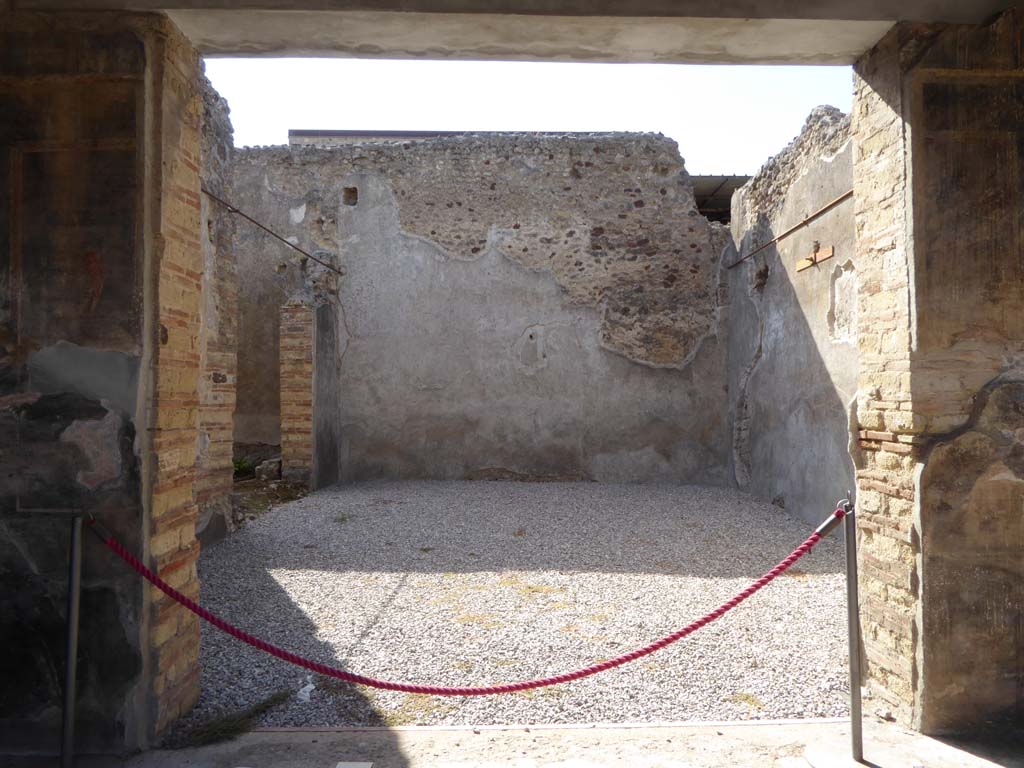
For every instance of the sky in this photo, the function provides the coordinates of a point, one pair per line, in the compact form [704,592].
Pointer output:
[726,119]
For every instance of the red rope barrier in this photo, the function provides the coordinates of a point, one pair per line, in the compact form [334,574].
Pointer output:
[565,677]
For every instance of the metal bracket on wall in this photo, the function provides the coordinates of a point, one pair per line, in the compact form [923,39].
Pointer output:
[820,254]
[824,209]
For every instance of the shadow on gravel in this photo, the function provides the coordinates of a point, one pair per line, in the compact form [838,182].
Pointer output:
[225,712]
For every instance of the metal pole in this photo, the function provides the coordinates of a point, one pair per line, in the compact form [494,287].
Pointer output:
[853,626]
[67,747]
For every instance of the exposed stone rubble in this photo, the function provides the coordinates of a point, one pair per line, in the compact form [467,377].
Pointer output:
[610,216]
[499,290]
[791,374]
[824,133]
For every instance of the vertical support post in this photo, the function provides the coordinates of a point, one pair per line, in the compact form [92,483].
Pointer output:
[853,627]
[67,746]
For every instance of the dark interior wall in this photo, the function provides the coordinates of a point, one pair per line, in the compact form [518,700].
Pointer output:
[71,100]
[966,102]
[262,291]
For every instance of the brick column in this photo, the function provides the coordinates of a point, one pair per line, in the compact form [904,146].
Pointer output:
[173,632]
[296,370]
[890,578]
[938,186]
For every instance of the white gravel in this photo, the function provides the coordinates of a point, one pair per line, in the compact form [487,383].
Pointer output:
[483,582]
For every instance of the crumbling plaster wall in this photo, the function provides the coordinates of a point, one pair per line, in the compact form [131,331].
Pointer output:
[71,345]
[515,305]
[99,319]
[792,335]
[218,339]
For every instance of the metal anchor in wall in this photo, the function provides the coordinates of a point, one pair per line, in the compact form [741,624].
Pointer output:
[820,254]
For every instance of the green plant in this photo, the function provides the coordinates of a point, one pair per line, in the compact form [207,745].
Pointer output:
[243,467]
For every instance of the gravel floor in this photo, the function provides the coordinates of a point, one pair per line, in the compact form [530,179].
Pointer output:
[481,582]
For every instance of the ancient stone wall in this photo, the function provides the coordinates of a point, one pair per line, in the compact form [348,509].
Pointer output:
[938,174]
[214,472]
[98,356]
[890,578]
[792,335]
[523,305]
[71,345]
[967,151]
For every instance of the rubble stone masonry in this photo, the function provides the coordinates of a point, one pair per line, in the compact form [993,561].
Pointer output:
[525,304]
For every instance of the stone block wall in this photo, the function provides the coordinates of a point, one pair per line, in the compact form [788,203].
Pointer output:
[500,293]
[792,335]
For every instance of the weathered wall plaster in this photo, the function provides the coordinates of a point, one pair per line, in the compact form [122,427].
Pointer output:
[70,347]
[100,310]
[938,196]
[972,493]
[454,250]
[328,395]
[218,339]
[792,351]
[966,366]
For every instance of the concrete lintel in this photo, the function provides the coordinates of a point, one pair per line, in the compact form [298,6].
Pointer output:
[516,37]
[952,11]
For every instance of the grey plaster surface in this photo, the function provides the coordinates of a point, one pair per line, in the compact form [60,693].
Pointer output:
[812,31]
[370,34]
[100,374]
[793,355]
[512,305]
[455,366]
[327,396]
[917,10]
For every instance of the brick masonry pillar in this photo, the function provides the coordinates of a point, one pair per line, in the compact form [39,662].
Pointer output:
[296,371]
[938,191]
[890,578]
[173,632]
